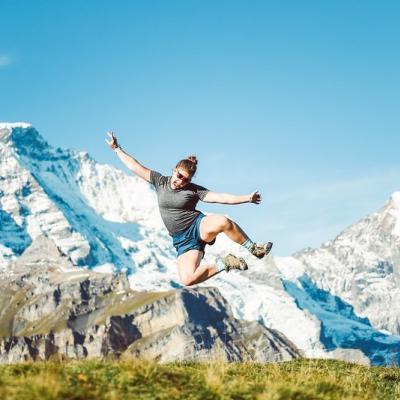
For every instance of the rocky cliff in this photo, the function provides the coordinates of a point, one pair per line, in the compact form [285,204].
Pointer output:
[51,309]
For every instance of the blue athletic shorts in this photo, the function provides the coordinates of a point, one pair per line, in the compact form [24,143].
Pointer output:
[189,238]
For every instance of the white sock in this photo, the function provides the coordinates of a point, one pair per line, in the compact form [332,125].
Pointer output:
[219,265]
[247,244]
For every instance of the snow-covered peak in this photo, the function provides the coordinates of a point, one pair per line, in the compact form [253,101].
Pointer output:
[395,198]
[95,213]
[362,265]
[26,141]
[375,237]
[11,125]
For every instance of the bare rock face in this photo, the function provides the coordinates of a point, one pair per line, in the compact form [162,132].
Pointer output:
[50,309]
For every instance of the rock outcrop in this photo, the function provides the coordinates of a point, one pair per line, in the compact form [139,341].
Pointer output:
[51,309]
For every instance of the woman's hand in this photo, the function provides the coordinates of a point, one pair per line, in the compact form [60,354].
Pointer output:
[113,142]
[255,198]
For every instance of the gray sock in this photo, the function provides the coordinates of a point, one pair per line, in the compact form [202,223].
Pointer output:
[219,265]
[247,244]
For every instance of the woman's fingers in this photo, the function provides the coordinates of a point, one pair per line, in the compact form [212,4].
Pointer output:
[113,142]
[111,135]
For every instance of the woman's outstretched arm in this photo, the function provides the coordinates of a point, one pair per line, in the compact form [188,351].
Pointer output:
[128,160]
[225,198]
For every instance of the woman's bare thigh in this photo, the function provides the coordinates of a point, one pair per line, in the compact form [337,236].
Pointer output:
[211,226]
[188,262]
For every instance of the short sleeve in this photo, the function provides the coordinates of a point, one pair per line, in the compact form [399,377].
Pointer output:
[201,191]
[155,178]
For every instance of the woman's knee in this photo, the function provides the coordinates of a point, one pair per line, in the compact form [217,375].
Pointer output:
[224,223]
[187,280]
[187,265]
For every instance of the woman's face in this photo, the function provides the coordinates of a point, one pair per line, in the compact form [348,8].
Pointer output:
[180,178]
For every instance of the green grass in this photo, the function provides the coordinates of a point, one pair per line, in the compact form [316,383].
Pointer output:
[141,379]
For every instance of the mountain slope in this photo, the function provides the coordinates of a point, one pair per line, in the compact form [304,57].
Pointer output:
[50,309]
[55,192]
[361,266]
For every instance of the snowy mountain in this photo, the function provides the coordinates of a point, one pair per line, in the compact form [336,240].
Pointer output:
[335,301]
[361,266]
[97,215]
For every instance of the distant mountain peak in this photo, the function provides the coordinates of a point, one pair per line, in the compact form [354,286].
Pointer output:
[11,125]
[96,214]
[396,196]
[27,141]
[395,200]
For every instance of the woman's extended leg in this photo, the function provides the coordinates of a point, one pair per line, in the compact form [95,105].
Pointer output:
[190,271]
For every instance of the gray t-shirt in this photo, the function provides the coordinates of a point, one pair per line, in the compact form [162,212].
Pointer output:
[177,207]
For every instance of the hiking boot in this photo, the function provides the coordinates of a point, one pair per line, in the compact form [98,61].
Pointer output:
[233,262]
[261,250]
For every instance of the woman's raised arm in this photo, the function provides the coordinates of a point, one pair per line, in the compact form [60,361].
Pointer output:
[128,160]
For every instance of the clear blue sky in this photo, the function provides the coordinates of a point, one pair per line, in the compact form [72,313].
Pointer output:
[298,99]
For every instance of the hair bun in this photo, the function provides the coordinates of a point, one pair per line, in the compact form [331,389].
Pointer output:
[193,159]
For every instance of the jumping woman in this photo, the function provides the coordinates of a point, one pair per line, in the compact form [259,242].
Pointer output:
[189,228]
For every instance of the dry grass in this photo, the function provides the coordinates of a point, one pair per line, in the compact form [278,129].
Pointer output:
[141,379]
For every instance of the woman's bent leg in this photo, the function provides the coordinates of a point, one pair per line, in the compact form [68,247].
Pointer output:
[212,225]
[190,271]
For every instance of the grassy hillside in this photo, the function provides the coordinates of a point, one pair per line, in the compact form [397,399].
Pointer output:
[139,379]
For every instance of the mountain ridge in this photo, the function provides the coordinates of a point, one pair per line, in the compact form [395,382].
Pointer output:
[105,220]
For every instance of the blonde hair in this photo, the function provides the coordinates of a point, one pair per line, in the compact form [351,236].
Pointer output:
[188,164]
